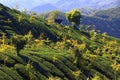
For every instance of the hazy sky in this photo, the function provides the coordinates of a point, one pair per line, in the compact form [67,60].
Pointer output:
[25,3]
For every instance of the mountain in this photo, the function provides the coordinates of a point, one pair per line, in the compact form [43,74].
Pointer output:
[95,4]
[25,3]
[53,51]
[66,5]
[88,11]
[105,20]
[44,8]
[109,14]
[112,19]
[111,27]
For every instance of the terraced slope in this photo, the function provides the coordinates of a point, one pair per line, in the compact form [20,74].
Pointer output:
[94,59]
[13,21]
[41,65]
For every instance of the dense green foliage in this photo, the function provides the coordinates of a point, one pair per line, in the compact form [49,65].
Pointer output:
[105,21]
[19,42]
[74,17]
[12,21]
[54,51]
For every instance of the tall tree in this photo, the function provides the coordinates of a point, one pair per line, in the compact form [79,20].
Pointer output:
[74,17]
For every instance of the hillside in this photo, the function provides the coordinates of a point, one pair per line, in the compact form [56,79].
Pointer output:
[110,26]
[55,52]
[12,21]
[109,14]
[44,8]
[105,20]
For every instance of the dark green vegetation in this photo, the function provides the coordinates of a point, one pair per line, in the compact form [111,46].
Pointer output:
[19,43]
[105,21]
[12,22]
[54,51]
[110,14]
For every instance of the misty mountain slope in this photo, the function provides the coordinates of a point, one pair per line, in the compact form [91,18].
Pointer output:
[110,14]
[95,4]
[112,19]
[105,21]
[27,4]
[44,8]
[110,27]
[66,5]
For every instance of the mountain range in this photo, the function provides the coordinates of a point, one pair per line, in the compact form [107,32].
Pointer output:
[28,4]
[66,5]
[44,8]
[63,5]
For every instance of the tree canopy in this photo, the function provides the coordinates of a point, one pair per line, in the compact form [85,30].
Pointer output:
[74,16]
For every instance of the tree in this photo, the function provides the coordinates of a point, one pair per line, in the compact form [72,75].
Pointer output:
[74,17]
[19,42]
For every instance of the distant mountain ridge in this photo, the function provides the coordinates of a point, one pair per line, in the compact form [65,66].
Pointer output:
[66,5]
[97,4]
[44,8]
[28,4]
[109,14]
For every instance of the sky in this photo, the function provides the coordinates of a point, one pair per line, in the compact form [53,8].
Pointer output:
[28,4]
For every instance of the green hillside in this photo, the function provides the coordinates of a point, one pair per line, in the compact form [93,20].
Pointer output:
[105,20]
[110,14]
[53,51]
[12,21]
